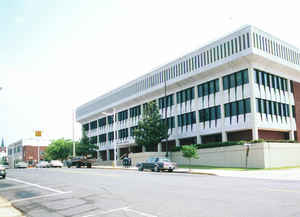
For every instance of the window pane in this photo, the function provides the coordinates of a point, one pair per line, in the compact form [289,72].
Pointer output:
[212,113]
[211,87]
[225,83]
[239,78]
[207,115]
[247,106]
[205,92]
[217,85]
[241,107]
[218,111]
[233,109]
[232,81]
[200,90]
[245,76]
[227,110]
[258,105]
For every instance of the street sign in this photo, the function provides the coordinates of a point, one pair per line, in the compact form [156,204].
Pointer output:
[38,133]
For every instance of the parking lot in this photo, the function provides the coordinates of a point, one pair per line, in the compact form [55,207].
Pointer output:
[117,193]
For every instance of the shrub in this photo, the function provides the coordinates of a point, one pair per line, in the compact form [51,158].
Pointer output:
[220,144]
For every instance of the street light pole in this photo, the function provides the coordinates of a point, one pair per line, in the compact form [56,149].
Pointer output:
[115,139]
[73,132]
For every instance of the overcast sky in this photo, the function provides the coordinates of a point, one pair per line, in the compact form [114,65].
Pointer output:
[58,54]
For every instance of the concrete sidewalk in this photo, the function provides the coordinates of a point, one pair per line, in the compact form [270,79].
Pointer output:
[280,174]
[7,210]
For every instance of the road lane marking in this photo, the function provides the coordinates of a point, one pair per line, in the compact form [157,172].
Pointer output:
[140,213]
[87,173]
[106,212]
[36,185]
[38,197]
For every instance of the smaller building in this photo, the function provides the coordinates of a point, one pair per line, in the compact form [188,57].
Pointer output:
[28,150]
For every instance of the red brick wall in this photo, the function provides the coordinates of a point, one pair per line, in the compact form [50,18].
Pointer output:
[245,135]
[272,135]
[297,106]
[31,152]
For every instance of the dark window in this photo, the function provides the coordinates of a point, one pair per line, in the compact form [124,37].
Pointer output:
[86,127]
[245,76]
[218,112]
[207,118]
[93,125]
[232,80]
[258,105]
[225,83]
[273,81]
[239,78]
[257,76]
[275,108]
[292,86]
[293,110]
[233,109]
[200,90]
[241,109]
[217,88]
[212,112]
[211,87]
[205,91]
[227,110]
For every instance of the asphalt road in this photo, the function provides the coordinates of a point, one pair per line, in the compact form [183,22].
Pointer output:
[119,193]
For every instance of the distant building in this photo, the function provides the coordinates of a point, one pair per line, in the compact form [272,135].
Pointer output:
[27,150]
[244,86]
[3,152]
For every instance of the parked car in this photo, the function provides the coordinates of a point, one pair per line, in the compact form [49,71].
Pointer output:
[21,165]
[5,165]
[56,163]
[43,164]
[2,172]
[157,164]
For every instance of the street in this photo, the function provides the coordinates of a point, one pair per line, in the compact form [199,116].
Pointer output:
[117,193]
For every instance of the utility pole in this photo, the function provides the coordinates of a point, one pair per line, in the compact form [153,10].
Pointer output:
[73,132]
[166,113]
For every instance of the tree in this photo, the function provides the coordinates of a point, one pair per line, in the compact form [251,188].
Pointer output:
[85,147]
[189,152]
[59,149]
[151,130]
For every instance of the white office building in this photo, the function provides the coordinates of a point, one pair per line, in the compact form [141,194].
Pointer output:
[244,86]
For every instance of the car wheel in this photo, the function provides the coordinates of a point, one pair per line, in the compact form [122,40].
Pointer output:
[3,177]
[156,169]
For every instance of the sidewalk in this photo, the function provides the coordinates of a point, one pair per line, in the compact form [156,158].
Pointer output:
[7,210]
[281,174]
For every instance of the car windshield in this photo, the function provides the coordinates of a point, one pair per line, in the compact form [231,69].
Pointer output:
[151,160]
[164,160]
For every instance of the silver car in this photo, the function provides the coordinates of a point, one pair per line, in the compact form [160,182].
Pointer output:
[21,165]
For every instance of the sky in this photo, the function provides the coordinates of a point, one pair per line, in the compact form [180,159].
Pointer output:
[56,55]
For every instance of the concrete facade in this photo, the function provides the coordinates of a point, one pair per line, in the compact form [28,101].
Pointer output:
[240,87]
[261,155]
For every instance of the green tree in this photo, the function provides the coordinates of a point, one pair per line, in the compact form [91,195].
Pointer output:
[85,147]
[59,149]
[189,152]
[151,130]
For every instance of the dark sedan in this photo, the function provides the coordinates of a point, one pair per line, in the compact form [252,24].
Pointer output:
[157,164]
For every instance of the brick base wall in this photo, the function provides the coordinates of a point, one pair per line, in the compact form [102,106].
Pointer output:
[297,106]
[245,135]
[188,141]
[273,135]
[30,153]
[211,138]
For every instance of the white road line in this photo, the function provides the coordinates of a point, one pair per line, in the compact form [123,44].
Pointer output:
[38,197]
[140,213]
[106,212]
[36,185]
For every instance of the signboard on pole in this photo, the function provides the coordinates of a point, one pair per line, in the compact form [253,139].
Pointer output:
[38,133]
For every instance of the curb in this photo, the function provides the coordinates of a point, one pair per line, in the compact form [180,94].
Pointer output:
[8,210]
[174,171]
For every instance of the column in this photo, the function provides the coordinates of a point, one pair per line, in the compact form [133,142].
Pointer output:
[224,135]
[118,153]
[251,74]
[159,147]
[291,132]
[199,139]
[177,142]
[107,154]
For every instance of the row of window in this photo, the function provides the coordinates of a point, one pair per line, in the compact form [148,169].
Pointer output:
[276,49]
[273,108]
[94,125]
[170,122]
[14,150]
[185,95]
[271,81]
[235,79]
[209,114]
[123,115]
[209,56]
[135,111]
[237,107]
[186,119]
[210,87]
[102,122]
[123,133]
[167,101]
